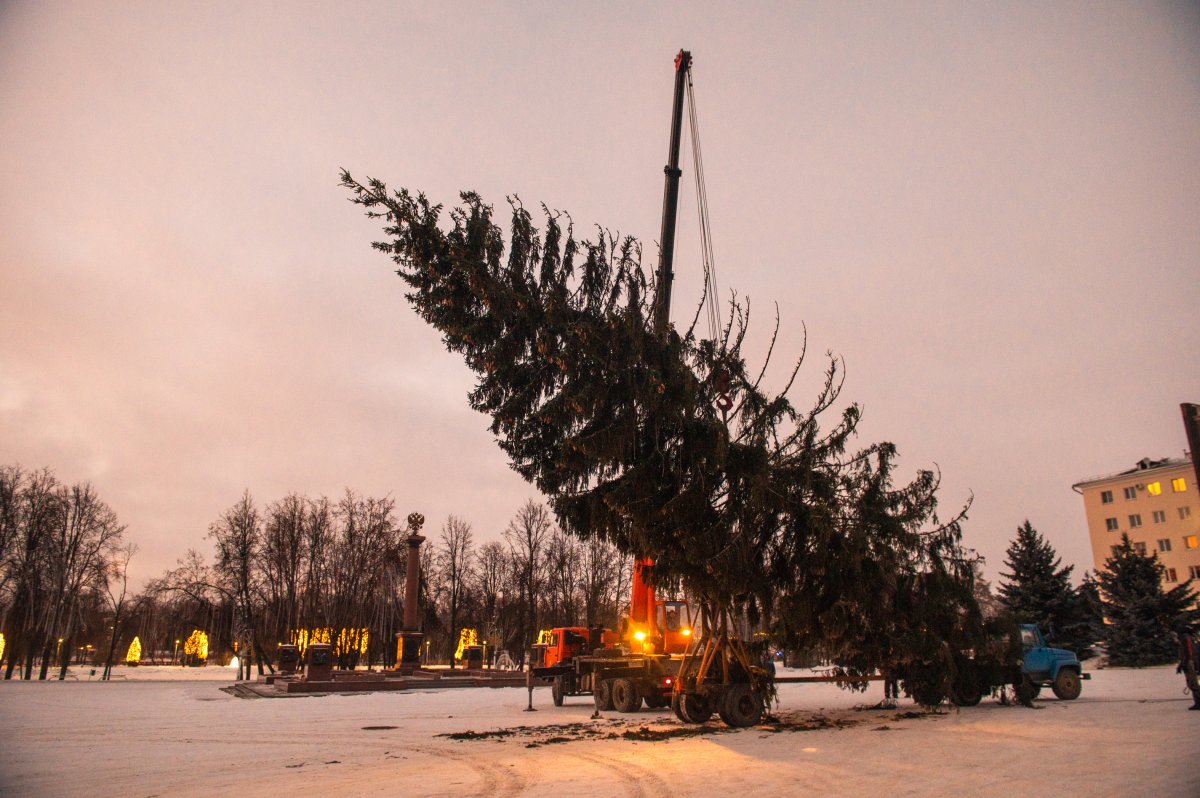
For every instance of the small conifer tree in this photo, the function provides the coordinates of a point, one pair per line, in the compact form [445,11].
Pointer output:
[1141,616]
[1037,589]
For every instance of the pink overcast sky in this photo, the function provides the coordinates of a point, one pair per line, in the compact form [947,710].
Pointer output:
[989,211]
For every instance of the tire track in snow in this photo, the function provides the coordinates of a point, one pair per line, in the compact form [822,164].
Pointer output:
[495,778]
[639,781]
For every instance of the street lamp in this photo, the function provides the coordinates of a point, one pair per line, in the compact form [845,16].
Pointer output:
[175,656]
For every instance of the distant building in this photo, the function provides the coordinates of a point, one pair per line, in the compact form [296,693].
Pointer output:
[1157,504]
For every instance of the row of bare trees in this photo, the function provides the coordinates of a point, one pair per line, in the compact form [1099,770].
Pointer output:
[63,561]
[303,569]
[536,577]
[294,570]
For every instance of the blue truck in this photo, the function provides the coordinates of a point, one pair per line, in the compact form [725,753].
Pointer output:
[1043,666]
[1037,666]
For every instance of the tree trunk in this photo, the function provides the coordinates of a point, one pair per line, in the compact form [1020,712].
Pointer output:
[112,645]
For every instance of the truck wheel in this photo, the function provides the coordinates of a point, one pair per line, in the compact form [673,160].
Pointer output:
[1025,690]
[556,691]
[602,694]
[691,707]
[1067,685]
[965,696]
[625,695]
[927,694]
[966,690]
[740,706]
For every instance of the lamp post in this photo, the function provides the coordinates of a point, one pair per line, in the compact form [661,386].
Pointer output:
[175,656]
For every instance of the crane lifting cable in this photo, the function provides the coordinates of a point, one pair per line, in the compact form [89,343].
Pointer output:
[708,260]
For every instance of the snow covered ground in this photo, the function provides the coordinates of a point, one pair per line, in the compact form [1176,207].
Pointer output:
[171,731]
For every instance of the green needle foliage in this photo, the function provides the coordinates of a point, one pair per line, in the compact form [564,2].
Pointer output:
[754,509]
[1037,589]
[1142,617]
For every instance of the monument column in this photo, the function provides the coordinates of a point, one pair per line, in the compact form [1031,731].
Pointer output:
[411,638]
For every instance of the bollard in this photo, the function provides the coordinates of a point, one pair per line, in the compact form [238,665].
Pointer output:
[529,687]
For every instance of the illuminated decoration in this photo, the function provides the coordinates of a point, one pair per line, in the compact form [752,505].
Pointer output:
[134,655]
[196,646]
[545,638]
[466,637]
[1154,488]
[348,640]
[234,663]
[1,646]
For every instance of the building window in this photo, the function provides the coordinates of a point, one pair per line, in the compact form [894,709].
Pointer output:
[1164,544]
[1110,524]
[1140,548]
[1154,488]
[1179,485]
[1160,516]
[1131,493]
[1189,541]
[1135,520]
[1170,576]
[1106,497]
[1194,571]
[1185,512]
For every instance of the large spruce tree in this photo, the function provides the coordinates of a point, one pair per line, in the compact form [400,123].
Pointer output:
[667,445]
[1142,617]
[1037,589]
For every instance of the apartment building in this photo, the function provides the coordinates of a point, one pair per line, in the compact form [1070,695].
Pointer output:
[1157,503]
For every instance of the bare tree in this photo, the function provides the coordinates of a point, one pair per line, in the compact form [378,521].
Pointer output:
[37,511]
[454,557]
[599,581]
[318,547]
[238,533]
[283,560]
[366,540]
[114,577]
[81,542]
[526,536]
[562,567]
[490,569]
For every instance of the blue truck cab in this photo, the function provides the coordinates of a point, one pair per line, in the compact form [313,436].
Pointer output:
[1043,666]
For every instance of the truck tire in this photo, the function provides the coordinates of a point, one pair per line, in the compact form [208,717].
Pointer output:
[602,695]
[655,700]
[966,690]
[556,691]
[625,695]
[739,706]
[1026,690]
[966,696]
[1067,684]
[691,707]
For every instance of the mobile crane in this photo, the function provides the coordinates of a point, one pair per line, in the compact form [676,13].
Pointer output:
[621,669]
[654,656]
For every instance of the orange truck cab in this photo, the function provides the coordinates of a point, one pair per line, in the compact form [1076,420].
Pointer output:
[566,643]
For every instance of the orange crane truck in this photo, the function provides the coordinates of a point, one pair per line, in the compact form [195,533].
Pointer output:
[621,669]
[653,656]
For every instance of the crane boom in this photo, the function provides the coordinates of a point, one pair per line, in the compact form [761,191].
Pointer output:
[662,301]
